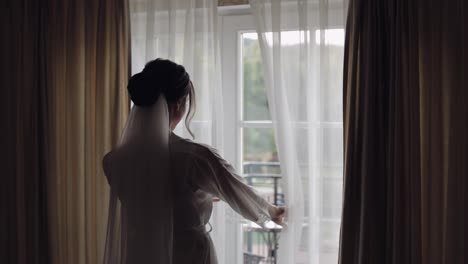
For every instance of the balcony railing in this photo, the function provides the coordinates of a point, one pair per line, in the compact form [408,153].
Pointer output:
[261,244]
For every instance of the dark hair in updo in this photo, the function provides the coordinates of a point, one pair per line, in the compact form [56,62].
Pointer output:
[167,78]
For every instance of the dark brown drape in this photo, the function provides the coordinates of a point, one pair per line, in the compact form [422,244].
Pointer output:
[23,135]
[443,52]
[64,69]
[405,127]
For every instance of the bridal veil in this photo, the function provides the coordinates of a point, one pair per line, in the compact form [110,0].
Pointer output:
[140,225]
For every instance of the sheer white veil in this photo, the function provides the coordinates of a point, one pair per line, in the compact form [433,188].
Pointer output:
[140,224]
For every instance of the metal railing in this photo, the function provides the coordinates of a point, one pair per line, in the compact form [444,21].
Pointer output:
[262,243]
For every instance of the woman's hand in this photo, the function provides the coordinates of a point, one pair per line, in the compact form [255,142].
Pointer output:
[215,199]
[277,214]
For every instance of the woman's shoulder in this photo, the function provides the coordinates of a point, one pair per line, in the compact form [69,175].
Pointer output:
[185,146]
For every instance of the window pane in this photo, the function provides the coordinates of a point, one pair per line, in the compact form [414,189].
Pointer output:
[329,94]
[255,98]
[261,166]
[259,145]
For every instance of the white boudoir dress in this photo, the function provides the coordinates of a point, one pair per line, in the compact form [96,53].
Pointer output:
[151,224]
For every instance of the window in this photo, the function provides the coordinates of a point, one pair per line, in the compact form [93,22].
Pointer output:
[250,142]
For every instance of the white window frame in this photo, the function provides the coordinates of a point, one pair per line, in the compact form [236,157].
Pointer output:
[233,21]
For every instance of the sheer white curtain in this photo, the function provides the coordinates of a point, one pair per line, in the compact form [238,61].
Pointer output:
[302,51]
[185,31]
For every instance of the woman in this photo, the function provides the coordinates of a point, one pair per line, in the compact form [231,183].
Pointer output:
[163,186]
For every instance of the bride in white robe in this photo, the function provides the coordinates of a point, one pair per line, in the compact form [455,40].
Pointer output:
[163,186]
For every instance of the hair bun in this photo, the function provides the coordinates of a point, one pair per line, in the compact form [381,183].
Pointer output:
[159,77]
[142,89]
